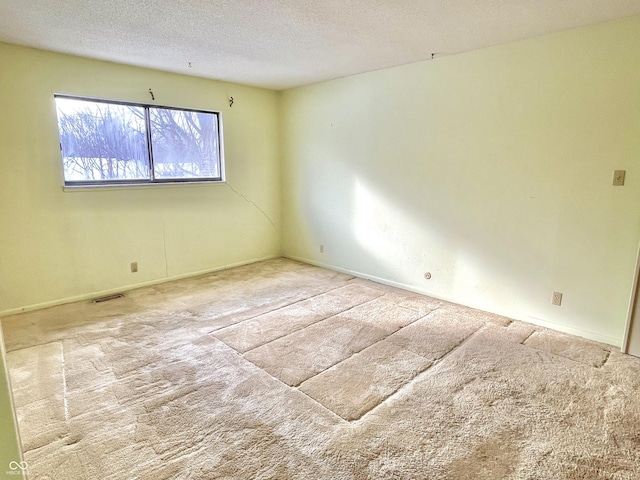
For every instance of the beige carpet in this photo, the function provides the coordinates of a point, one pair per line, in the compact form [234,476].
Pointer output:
[280,370]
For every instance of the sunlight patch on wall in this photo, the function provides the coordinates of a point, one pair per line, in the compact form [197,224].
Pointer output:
[405,246]
[398,243]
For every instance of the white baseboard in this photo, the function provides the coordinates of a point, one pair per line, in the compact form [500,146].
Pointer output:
[614,341]
[529,319]
[126,288]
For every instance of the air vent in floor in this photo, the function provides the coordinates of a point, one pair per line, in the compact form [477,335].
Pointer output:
[107,298]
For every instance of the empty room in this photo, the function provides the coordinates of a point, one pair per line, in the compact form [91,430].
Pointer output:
[320,240]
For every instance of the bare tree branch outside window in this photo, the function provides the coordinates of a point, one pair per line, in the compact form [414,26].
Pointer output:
[108,143]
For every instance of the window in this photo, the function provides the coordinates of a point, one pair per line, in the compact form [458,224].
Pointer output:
[109,143]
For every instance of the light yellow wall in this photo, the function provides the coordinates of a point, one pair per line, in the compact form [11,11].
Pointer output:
[491,169]
[57,245]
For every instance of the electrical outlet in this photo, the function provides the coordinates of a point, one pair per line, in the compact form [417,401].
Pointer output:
[321,248]
[134,267]
[618,178]
[556,299]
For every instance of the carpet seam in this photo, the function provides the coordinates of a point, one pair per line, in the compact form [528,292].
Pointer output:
[276,309]
[427,369]
[297,386]
[38,345]
[317,402]
[327,318]
[571,359]
[302,328]
[606,359]
[371,346]
[527,338]
[293,387]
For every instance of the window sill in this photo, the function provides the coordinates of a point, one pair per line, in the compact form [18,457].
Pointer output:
[137,186]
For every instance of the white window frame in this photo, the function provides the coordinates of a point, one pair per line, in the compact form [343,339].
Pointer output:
[151,180]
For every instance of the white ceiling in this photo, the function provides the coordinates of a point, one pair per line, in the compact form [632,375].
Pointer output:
[286,43]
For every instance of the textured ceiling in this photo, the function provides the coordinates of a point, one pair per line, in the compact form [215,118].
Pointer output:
[285,43]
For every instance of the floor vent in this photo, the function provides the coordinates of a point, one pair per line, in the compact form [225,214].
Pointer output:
[107,298]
